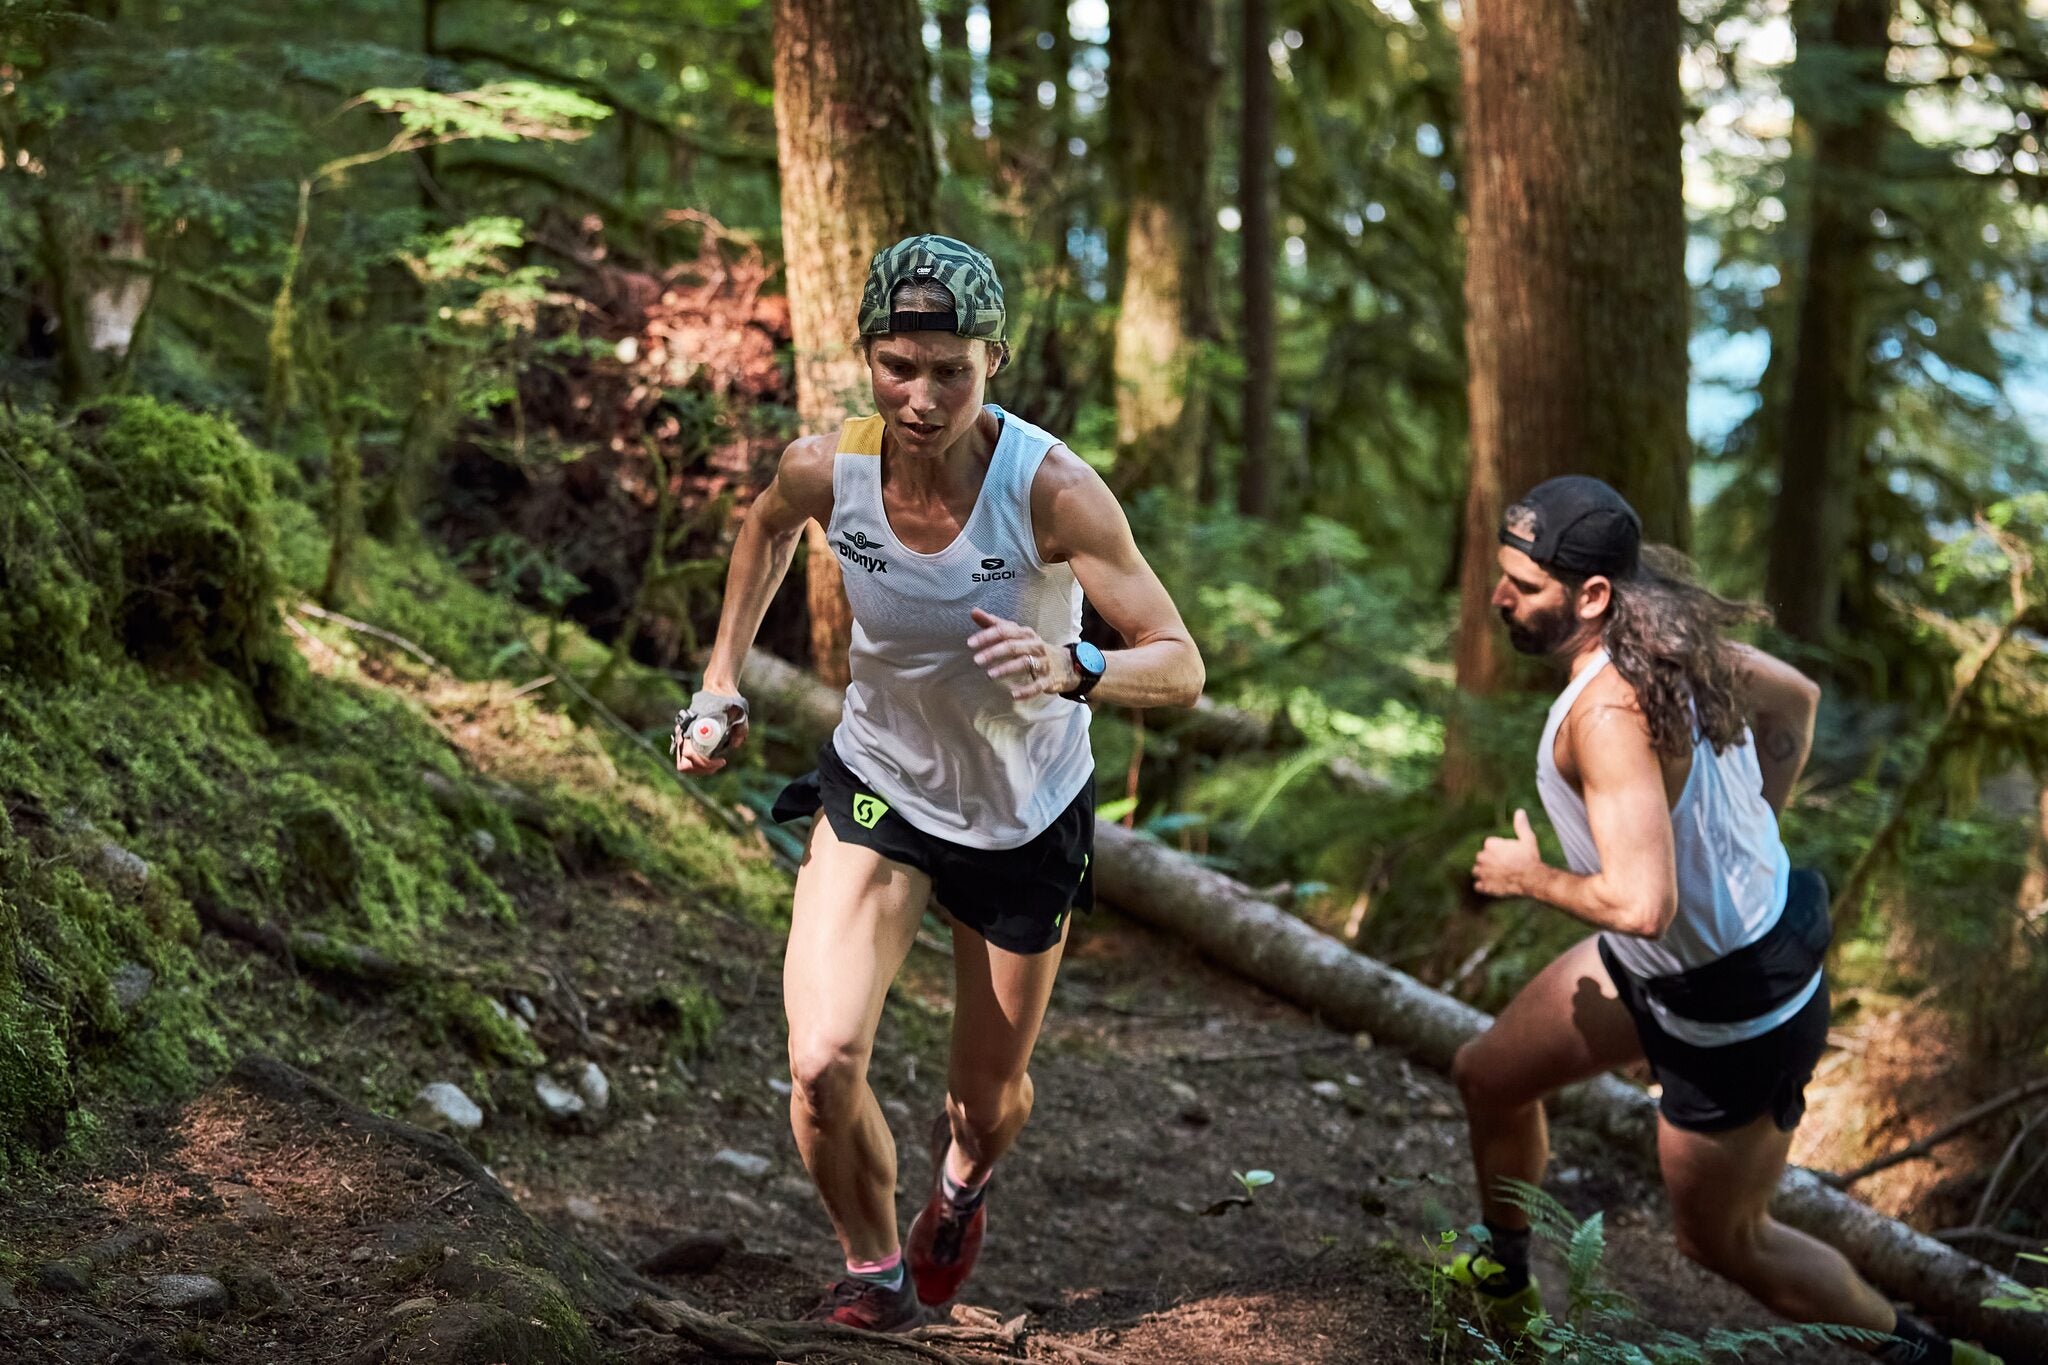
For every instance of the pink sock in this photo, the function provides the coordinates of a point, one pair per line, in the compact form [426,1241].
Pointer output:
[888,1270]
[957,1193]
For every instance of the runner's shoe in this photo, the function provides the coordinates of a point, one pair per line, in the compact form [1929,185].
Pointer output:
[869,1306]
[943,1245]
[1512,1312]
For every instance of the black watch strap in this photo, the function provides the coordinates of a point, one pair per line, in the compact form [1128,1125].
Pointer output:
[1088,679]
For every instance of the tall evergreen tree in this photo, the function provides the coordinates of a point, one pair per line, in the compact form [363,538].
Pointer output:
[854,141]
[1162,69]
[1255,207]
[1843,99]
[1577,309]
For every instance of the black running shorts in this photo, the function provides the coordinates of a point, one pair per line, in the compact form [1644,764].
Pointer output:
[1715,1089]
[1016,898]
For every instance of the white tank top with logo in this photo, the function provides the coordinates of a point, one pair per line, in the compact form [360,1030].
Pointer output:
[1732,868]
[934,736]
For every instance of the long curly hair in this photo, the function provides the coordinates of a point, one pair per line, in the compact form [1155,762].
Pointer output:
[1665,633]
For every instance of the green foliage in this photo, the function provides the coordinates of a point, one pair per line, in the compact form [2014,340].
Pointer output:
[1600,1324]
[2023,1298]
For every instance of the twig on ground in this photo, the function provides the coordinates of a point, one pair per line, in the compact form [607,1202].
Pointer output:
[375,632]
[1960,1124]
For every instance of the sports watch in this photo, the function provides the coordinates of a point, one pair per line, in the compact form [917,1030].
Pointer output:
[1089,663]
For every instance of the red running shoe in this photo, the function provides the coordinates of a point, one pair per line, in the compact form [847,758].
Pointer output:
[943,1245]
[869,1306]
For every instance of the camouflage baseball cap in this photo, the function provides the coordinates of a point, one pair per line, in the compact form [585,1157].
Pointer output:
[966,273]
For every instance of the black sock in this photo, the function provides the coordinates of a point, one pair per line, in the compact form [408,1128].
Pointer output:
[1510,1247]
[1914,1343]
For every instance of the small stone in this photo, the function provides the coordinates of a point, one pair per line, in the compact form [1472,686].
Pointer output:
[697,1254]
[583,1211]
[251,1209]
[746,1163]
[411,1306]
[785,1089]
[523,1007]
[362,1254]
[448,1104]
[121,865]
[201,1294]
[63,1277]
[8,1303]
[483,843]
[1570,1175]
[1328,1090]
[131,982]
[594,1088]
[129,1241]
[251,1288]
[559,1100]
[1362,1041]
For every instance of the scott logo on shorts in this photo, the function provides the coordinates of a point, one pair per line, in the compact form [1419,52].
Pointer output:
[995,570]
[852,543]
[869,810]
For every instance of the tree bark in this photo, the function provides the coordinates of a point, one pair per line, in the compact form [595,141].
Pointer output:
[854,142]
[1842,96]
[1255,206]
[1259,941]
[1576,302]
[1162,78]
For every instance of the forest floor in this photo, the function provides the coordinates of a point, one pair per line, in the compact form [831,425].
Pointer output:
[326,1233]
[1158,1076]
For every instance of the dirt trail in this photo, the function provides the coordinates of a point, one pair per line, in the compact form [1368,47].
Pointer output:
[1158,1076]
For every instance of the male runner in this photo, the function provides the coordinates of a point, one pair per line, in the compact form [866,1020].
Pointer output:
[960,771]
[1662,768]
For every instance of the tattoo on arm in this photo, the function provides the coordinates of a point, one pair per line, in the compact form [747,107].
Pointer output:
[1779,745]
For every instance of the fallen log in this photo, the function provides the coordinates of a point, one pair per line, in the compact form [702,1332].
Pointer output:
[1229,923]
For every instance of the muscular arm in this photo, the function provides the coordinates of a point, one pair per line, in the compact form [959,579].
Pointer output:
[1636,889]
[1783,703]
[801,490]
[1080,521]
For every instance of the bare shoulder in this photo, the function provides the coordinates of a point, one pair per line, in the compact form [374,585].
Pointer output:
[1072,508]
[803,478]
[1607,714]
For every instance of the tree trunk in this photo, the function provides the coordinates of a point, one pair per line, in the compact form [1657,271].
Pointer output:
[1017,121]
[1162,76]
[963,150]
[1840,90]
[854,143]
[1255,205]
[1576,301]
[1228,923]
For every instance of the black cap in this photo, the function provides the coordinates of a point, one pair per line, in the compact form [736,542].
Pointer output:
[1577,524]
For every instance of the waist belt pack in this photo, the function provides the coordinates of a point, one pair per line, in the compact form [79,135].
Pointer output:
[1758,977]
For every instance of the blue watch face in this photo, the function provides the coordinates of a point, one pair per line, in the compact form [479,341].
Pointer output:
[1089,658]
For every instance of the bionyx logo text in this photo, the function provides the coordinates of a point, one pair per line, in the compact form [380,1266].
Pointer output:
[995,570]
[850,547]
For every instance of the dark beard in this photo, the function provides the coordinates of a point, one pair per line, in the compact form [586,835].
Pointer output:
[1546,633]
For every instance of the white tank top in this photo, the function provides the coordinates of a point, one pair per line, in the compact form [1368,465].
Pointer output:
[1732,867]
[923,724]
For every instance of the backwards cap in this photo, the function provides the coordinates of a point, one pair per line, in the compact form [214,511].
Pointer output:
[966,273]
[1575,523]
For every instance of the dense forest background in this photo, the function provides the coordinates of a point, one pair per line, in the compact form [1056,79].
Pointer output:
[526,296]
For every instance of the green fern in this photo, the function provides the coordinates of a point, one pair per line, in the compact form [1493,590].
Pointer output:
[1599,1317]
